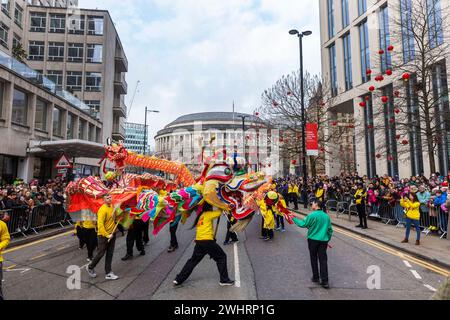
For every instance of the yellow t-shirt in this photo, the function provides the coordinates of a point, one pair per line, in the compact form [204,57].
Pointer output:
[89,224]
[105,220]
[205,226]
[4,238]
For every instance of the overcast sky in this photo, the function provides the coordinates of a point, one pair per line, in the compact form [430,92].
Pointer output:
[200,55]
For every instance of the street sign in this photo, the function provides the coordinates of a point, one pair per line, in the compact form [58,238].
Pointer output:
[62,171]
[63,163]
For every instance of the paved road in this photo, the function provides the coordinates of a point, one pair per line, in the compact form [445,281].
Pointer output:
[267,271]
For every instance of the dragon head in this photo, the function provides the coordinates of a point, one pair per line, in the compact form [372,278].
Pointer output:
[116,153]
[226,189]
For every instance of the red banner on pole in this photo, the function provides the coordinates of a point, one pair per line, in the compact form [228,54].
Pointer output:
[312,139]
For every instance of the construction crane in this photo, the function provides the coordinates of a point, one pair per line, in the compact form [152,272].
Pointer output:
[132,100]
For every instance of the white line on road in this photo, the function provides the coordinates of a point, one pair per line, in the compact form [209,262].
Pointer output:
[414,272]
[237,276]
[407,264]
[430,287]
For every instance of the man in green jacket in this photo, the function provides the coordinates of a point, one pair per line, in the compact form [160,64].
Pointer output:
[320,232]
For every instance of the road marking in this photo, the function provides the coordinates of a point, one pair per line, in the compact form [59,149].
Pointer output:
[416,275]
[384,248]
[39,256]
[237,275]
[22,269]
[10,267]
[430,287]
[37,242]
[407,264]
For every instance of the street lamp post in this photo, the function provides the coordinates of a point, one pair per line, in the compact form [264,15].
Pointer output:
[243,137]
[305,172]
[145,128]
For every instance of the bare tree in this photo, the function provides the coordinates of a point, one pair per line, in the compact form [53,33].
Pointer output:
[281,108]
[414,109]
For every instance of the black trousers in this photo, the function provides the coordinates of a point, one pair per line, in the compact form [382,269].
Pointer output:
[104,247]
[80,236]
[173,235]
[135,234]
[146,238]
[201,249]
[362,215]
[268,233]
[90,237]
[293,198]
[1,279]
[318,254]
[280,221]
[230,235]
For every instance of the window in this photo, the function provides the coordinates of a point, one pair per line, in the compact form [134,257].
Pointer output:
[38,21]
[57,77]
[70,121]
[333,77]
[390,132]
[57,23]
[386,61]
[435,30]
[57,120]
[36,51]
[364,50]
[56,51]
[17,41]
[348,62]
[76,24]
[412,104]
[407,30]
[41,115]
[4,34]
[94,105]
[18,15]
[2,88]
[94,53]
[95,26]
[330,18]
[74,80]
[81,129]
[75,53]
[93,81]
[362,6]
[345,15]
[20,108]
[6,6]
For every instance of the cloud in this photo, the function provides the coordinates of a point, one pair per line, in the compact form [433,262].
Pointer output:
[200,55]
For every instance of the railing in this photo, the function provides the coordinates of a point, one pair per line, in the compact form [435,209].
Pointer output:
[23,220]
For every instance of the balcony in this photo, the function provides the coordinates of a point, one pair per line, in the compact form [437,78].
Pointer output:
[120,84]
[119,107]
[118,132]
[121,60]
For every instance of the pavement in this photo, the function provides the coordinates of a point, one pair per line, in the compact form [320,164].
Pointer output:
[359,268]
[432,248]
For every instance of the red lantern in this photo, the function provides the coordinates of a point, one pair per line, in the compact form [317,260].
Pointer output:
[368,72]
[367,98]
[378,156]
[405,142]
[397,111]
[322,149]
[391,48]
[257,114]
[381,51]
[370,126]
[371,88]
[289,93]
[334,123]
[281,139]
[406,76]
[397,93]
[390,158]
[270,165]
[275,104]
[294,162]
[323,104]
[351,126]
[398,137]
[384,99]
[389,72]
[362,104]
[392,120]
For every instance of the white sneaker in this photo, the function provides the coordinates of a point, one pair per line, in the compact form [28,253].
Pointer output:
[111,276]
[91,272]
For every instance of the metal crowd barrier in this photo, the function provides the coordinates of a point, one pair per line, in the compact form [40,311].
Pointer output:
[22,219]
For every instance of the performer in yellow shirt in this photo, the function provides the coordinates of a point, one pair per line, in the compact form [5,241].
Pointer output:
[106,225]
[206,244]
[4,241]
